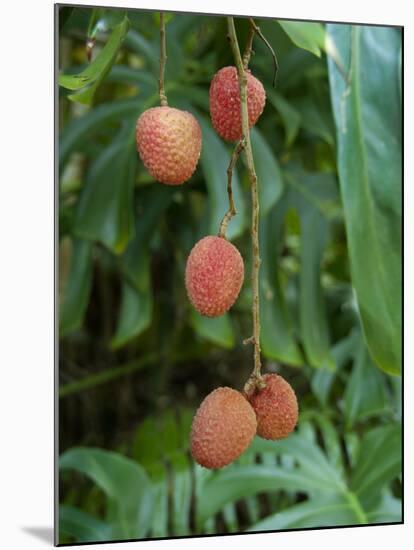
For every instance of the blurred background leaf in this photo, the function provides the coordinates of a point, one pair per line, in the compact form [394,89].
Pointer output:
[130,498]
[76,293]
[305,34]
[136,360]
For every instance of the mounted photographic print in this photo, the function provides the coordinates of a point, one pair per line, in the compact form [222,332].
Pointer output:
[229,196]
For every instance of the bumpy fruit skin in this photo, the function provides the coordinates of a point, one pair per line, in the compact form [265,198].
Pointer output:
[223,427]
[214,275]
[169,143]
[276,408]
[225,102]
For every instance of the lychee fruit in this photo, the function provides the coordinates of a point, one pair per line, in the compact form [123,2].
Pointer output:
[223,427]
[169,143]
[225,102]
[214,275]
[276,408]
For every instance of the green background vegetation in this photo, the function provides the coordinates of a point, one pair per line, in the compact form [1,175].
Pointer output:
[136,360]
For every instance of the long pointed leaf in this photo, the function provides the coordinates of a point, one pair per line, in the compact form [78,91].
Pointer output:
[105,209]
[239,482]
[93,75]
[277,337]
[125,483]
[83,527]
[76,294]
[321,512]
[306,35]
[367,112]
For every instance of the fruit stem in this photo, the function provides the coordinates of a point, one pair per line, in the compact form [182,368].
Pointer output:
[259,33]
[255,377]
[163,60]
[249,44]
[232,207]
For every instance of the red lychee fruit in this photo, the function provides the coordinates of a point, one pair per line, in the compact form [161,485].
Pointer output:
[276,408]
[223,427]
[169,143]
[214,275]
[225,102]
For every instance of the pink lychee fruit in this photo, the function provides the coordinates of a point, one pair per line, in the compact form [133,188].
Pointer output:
[214,275]
[276,408]
[169,143]
[223,427]
[225,102]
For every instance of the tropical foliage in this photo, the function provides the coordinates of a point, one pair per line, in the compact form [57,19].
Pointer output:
[136,360]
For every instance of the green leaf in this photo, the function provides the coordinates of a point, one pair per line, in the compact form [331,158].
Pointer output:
[238,482]
[306,35]
[108,374]
[314,196]
[379,461]
[290,115]
[127,486]
[397,394]
[230,518]
[313,316]
[181,493]
[366,392]
[64,14]
[367,111]
[158,438]
[139,78]
[322,379]
[352,444]
[137,302]
[268,173]
[218,330]
[251,503]
[215,159]
[146,448]
[388,510]
[331,440]
[180,27]
[80,130]
[313,464]
[159,524]
[93,75]
[136,307]
[314,473]
[77,21]
[169,431]
[78,288]
[315,116]
[201,476]
[136,42]
[277,337]
[105,209]
[324,511]
[82,527]
[151,205]
[199,96]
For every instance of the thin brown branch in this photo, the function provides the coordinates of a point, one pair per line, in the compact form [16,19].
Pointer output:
[232,207]
[255,379]
[261,35]
[249,44]
[163,60]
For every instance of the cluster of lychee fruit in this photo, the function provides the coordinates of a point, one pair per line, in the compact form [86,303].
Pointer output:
[169,143]
[227,420]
